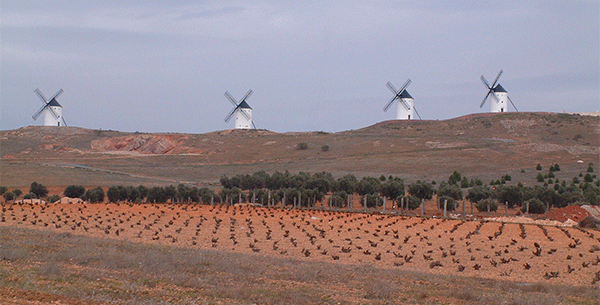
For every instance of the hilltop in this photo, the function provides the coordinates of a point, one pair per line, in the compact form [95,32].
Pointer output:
[479,145]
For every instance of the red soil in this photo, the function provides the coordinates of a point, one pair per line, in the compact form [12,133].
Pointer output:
[574,212]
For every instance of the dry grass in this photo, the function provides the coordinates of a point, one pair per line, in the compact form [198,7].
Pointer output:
[50,267]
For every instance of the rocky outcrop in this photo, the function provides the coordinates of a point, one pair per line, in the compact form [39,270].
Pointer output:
[144,144]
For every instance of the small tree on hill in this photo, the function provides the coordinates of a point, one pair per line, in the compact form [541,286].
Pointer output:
[38,189]
[421,190]
[74,191]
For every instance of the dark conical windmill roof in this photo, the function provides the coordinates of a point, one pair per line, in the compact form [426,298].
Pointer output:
[499,88]
[405,94]
[244,105]
[54,103]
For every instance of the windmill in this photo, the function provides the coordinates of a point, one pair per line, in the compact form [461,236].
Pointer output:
[406,103]
[242,111]
[53,110]
[499,95]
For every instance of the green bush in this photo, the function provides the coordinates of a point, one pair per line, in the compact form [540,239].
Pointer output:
[30,196]
[421,190]
[590,168]
[373,200]
[302,146]
[325,148]
[8,196]
[450,206]
[38,189]
[539,167]
[482,205]
[94,195]
[17,193]
[478,193]
[74,191]
[413,202]
[3,190]
[53,198]
[536,206]
[588,178]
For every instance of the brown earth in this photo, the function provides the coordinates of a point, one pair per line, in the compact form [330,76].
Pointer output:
[483,146]
[494,250]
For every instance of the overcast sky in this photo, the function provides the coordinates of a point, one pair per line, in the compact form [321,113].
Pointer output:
[313,65]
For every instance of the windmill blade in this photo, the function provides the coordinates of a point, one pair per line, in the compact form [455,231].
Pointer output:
[496,80]
[231,99]
[387,106]
[64,122]
[485,98]
[40,95]
[39,112]
[228,117]
[408,81]
[485,82]
[254,126]
[57,94]
[415,108]
[495,97]
[512,103]
[54,114]
[391,87]
[247,95]
[403,103]
[245,115]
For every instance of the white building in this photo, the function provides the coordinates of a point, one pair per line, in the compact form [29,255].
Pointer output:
[49,118]
[243,116]
[406,107]
[500,103]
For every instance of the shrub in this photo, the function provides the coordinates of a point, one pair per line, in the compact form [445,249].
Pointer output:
[478,193]
[511,194]
[302,146]
[74,191]
[450,206]
[421,190]
[157,194]
[53,198]
[556,168]
[450,190]
[30,196]
[482,205]
[590,222]
[17,193]
[38,189]
[588,178]
[116,193]
[539,167]
[94,195]
[373,200]
[8,196]
[413,202]
[535,206]
[3,190]
[325,148]
[454,178]
[590,168]
[392,188]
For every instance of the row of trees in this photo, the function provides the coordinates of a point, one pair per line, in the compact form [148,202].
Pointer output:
[304,189]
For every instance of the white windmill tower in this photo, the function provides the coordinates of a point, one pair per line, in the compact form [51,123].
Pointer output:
[242,111]
[51,108]
[406,104]
[499,95]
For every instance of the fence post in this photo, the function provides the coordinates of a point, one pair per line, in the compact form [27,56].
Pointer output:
[384,202]
[445,206]
[422,207]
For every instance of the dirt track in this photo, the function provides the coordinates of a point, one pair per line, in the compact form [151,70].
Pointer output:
[524,253]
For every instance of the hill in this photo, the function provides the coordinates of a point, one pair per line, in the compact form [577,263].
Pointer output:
[479,145]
